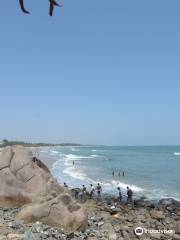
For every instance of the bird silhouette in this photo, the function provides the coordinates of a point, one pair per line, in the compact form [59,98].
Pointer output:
[52,4]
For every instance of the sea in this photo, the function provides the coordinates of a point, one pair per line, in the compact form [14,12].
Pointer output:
[152,172]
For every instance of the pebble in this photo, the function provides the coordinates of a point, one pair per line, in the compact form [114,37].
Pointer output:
[100,224]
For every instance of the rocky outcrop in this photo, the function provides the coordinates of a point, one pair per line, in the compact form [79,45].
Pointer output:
[26,182]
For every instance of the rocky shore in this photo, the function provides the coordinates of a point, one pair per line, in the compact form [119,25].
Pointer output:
[106,220]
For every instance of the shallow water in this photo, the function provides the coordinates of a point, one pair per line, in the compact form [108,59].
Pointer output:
[153,172]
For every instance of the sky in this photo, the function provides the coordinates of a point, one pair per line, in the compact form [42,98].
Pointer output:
[98,72]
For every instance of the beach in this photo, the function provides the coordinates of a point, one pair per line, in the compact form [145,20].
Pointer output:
[106,217]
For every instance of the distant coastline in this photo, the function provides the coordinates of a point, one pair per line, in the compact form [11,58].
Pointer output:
[5,143]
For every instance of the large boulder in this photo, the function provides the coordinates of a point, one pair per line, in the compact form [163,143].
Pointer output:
[26,182]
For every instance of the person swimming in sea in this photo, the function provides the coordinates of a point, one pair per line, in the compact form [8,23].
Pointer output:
[113,173]
[119,173]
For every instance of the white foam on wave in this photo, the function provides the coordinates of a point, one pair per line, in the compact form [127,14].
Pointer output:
[53,152]
[94,150]
[43,151]
[157,194]
[124,186]
[76,157]
[68,159]
[74,149]
[105,184]
[57,164]
[71,157]
[177,154]
[75,174]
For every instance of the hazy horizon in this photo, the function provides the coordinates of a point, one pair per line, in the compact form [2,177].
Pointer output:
[96,73]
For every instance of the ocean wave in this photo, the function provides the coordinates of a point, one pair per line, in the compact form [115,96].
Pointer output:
[177,154]
[94,150]
[124,186]
[76,157]
[75,149]
[43,151]
[57,164]
[53,152]
[105,184]
[75,174]
[157,194]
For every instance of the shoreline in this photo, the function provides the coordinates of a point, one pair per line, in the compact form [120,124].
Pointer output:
[50,160]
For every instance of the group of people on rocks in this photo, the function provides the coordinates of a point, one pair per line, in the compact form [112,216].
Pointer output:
[129,195]
[96,192]
[91,192]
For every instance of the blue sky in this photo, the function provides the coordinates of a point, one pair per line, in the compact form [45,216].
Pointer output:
[98,72]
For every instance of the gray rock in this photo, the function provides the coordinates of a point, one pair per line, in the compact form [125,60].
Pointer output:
[176,237]
[177,228]
[155,236]
[100,224]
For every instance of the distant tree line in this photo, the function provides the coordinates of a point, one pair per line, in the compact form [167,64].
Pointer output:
[5,143]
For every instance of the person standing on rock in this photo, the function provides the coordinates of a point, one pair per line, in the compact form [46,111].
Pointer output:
[129,196]
[99,190]
[91,191]
[119,194]
[76,193]
[83,193]
[65,185]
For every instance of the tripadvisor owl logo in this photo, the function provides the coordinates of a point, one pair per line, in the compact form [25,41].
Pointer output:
[139,231]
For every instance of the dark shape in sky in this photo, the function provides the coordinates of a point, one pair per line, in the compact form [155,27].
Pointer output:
[51,6]
[21,2]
